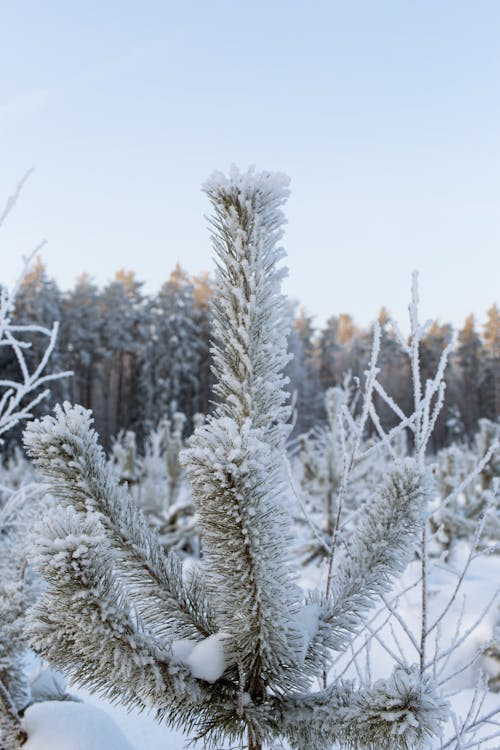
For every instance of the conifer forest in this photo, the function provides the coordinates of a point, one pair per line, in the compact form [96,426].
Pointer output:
[138,357]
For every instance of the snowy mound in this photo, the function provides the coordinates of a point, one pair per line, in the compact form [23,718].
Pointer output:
[65,725]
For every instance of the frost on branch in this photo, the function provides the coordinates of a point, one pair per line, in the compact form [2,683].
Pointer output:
[245,537]
[65,448]
[379,548]
[230,650]
[400,713]
[19,396]
[250,320]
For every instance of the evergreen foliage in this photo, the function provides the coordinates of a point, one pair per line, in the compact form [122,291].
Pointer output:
[231,648]
[157,482]
[80,338]
[175,356]
[16,593]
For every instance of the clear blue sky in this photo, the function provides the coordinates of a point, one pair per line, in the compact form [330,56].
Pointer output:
[386,115]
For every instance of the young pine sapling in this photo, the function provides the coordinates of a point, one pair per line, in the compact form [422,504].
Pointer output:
[231,649]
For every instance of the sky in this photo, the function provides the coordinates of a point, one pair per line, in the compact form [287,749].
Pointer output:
[385,115]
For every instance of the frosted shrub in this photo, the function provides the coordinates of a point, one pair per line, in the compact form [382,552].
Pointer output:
[157,482]
[124,457]
[470,502]
[319,461]
[163,491]
[20,393]
[487,437]
[232,648]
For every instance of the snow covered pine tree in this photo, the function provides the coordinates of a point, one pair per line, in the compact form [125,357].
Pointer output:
[230,649]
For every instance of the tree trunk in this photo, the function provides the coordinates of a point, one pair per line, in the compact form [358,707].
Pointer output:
[253,744]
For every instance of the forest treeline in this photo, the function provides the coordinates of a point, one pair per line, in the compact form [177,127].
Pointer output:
[138,357]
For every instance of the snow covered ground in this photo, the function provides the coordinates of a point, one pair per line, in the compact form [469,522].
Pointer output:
[53,725]
[95,724]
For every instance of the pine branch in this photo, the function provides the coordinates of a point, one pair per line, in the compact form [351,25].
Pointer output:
[400,713]
[381,547]
[16,594]
[250,324]
[245,539]
[85,626]
[65,449]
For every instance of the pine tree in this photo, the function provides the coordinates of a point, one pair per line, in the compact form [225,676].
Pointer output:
[346,329]
[310,397]
[80,338]
[203,322]
[468,360]
[123,332]
[354,352]
[232,649]
[490,366]
[328,350]
[176,348]
[16,592]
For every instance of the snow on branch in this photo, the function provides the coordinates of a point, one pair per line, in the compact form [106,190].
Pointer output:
[228,651]
[400,713]
[250,323]
[19,397]
[245,536]
[380,548]
[65,448]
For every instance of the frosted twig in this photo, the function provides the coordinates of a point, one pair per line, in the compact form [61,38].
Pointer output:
[461,576]
[356,665]
[470,629]
[390,401]
[392,609]
[384,438]
[11,410]
[454,639]
[371,375]
[12,199]
[474,726]
[431,423]
[474,473]
[399,337]
[409,423]
[397,641]
[423,630]
[387,649]
[473,659]
[305,513]
[458,731]
[363,645]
